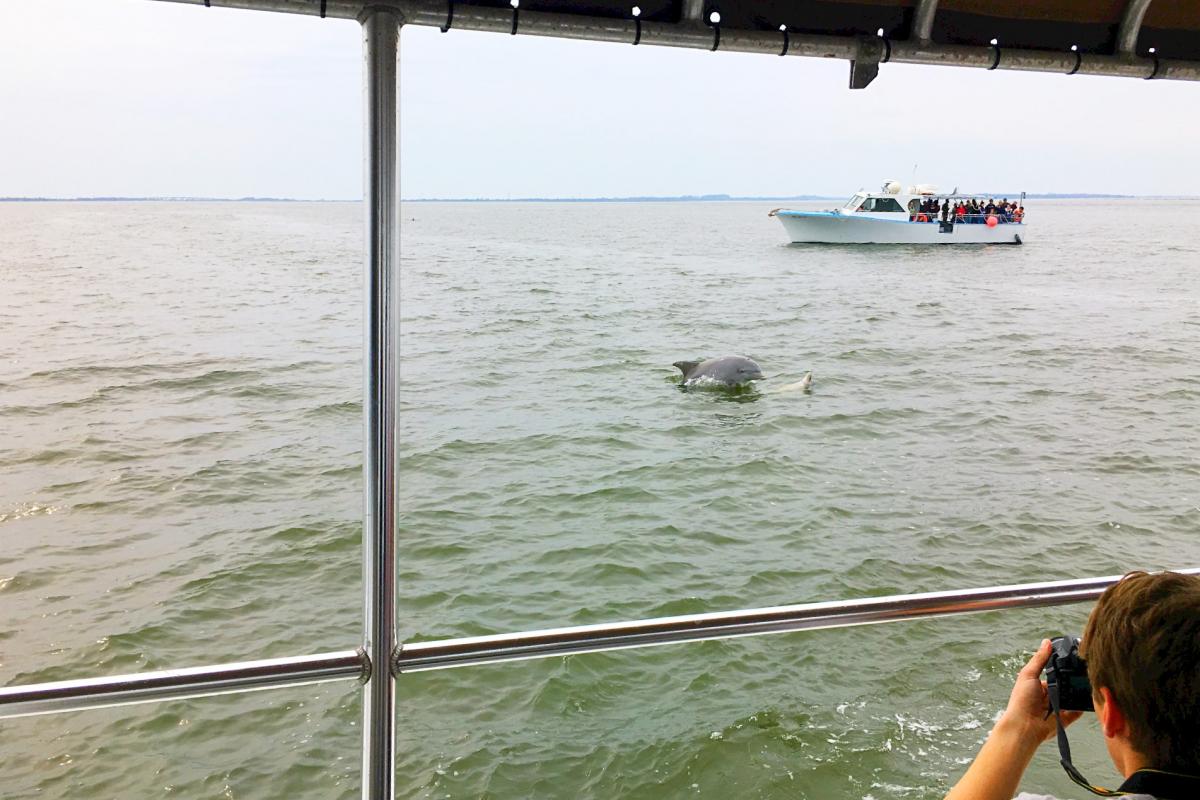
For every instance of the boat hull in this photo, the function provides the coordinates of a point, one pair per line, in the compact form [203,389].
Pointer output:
[827,227]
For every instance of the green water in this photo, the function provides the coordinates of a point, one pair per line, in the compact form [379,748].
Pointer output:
[179,403]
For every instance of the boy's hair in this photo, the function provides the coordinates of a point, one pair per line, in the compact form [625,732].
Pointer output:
[1142,641]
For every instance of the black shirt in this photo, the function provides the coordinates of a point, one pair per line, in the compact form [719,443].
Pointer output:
[1162,785]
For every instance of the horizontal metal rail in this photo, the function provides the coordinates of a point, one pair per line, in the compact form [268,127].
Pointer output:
[180,684]
[418,656]
[435,13]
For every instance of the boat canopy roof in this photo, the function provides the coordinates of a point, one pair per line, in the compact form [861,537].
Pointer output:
[1124,38]
[1093,26]
[895,198]
[956,195]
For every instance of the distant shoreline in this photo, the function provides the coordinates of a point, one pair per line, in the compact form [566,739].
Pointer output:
[114,199]
[723,198]
[707,198]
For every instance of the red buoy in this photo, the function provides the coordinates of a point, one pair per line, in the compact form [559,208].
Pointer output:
[992,221]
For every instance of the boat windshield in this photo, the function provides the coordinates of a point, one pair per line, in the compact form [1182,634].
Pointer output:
[882,204]
[853,202]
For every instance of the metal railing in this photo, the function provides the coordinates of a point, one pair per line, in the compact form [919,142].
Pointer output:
[182,684]
[380,659]
[418,656]
[693,32]
[78,695]
[966,219]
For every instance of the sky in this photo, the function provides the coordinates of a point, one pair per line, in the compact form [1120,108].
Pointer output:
[147,98]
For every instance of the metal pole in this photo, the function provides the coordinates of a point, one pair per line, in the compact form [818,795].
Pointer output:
[922,27]
[749,622]
[1131,26]
[45,698]
[178,684]
[692,11]
[381,39]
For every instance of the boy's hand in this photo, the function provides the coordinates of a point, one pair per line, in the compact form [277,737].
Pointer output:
[1026,714]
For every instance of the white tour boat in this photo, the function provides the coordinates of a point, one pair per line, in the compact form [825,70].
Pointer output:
[894,216]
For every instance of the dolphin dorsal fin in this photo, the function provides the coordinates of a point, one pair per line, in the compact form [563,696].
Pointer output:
[686,366]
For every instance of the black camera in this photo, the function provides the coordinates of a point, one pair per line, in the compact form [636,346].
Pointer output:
[1066,672]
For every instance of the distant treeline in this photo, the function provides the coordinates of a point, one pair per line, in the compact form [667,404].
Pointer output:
[686,198]
[165,200]
[683,198]
[706,198]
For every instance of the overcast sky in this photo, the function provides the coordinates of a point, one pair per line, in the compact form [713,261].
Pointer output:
[137,97]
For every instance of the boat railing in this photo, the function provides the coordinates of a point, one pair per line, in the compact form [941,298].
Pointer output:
[356,664]
[380,658]
[966,219]
[177,684]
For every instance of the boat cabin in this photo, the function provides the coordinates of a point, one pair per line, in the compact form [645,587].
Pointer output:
[893,200]
[890,199]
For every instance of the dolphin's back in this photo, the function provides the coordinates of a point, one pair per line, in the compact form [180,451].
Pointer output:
[726,369]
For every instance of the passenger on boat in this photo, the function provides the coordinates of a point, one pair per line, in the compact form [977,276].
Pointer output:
[946,210]
[1019,215]
[1142,645]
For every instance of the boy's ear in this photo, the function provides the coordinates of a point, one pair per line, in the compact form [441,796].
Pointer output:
[1112,718]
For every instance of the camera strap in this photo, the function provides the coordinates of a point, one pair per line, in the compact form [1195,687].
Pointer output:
[1064,750]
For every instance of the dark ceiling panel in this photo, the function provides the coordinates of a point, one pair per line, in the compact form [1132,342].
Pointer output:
[652,10]
[1171,27]
[1170,43]
[955,27]
[815,16]
[1100,12]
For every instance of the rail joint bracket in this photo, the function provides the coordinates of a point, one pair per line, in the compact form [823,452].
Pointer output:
[864,67]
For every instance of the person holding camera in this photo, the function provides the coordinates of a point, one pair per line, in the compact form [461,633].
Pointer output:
[1139,665]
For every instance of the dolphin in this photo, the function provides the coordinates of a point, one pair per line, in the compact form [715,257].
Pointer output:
[802,385]
[728,370]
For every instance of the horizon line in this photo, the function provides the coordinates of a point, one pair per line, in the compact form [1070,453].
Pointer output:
[709,198]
